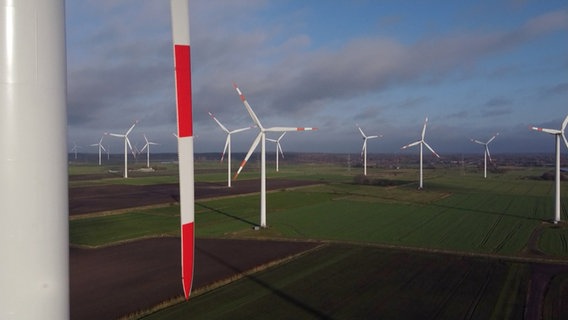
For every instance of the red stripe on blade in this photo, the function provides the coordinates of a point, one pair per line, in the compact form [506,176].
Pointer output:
[187,254]
[183,88]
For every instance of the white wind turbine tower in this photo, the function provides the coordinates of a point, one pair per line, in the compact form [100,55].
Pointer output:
[147,147]
[486,154]
[261,137]
[557,134]
[422,143]
[278,147]
[100,145]
[364,149]
[126,145]
[228,146]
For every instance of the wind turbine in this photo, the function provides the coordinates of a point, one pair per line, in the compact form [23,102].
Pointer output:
[228,146]
[422,143]
[126,144]
[261,137]
[147,147]
[74,149]
[486,154]
[278,147]
[100,145]
[557,134]
[364,150]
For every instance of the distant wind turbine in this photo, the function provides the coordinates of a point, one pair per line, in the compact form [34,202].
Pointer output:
[261,137]
[126,145]
[147,147]
[100,145]
[364,149]
[74,149]
[228,146]
[557,134]
[422,143]
[486,153]
[278,147]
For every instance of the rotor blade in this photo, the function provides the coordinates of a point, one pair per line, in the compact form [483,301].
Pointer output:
[282,136]
[411,144]
[116,135]
[242,129]
[93,145]
[492,138]
[219,123]
[145,138]
[225,148]
[145,146]
[271,140]
[364,146]
[434,152]
[101,141]
[279,147]
[477,141]
[372,137]
[488,154]
[247,106]
[127,132]
[551,131]
[251,150]
[564,123]
[565,140]
[128,142]
[363,134]
[102,147]
[282,129]
[424,128]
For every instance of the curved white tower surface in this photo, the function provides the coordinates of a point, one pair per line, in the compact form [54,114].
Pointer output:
[34,244]
[182,70]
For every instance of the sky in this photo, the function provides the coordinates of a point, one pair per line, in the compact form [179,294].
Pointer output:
[473,68]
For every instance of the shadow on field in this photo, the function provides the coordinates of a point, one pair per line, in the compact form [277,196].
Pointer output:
[226,214]
[317,313]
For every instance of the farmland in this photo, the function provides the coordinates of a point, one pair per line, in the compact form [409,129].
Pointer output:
[473,239]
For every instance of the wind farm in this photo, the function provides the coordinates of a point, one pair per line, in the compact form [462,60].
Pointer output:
[343,240]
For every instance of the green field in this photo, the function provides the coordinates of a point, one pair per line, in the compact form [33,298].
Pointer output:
[502,220]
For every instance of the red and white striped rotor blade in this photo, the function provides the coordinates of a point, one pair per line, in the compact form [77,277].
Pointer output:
[249,109]
[249,153]
[551,131]
[284,129]
[182,66]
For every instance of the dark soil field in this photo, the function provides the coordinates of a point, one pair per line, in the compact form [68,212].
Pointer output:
[115,281]
[92,199]
[111,282]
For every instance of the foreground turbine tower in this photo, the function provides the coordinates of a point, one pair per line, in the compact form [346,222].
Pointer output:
[422,143]
[486,153]
[182,67]
[227,146]
[261,137]
[34,244]
[557,134]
